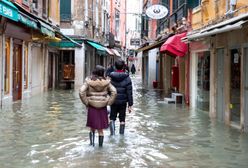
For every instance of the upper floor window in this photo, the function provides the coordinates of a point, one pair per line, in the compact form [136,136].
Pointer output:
[195,3]
[25,2]
[35,4]
[117,23]
[179,3]
[44,7]
[65,10]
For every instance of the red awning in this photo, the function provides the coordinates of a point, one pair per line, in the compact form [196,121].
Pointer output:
[174,46]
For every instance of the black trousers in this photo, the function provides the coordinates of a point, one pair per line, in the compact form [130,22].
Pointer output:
[118,109]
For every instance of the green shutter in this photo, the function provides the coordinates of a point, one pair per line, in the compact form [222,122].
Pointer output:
[194,3]
[65,10]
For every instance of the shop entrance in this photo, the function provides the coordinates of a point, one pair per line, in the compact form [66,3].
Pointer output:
[67,69]
[17,72]
[203,75]
[235,86]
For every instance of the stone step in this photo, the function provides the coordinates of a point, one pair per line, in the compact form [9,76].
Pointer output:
[169,100]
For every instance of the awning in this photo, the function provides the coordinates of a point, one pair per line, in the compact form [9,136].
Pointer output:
[101,50]
[152,46]
[155,44]
[46,29]
[116,52]
[97,46]
[8,10]
[28,21]
[109,51]
[67,42]
[174,46]
[216,30]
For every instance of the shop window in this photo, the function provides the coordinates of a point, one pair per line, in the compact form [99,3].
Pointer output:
[7,67]
[25,66]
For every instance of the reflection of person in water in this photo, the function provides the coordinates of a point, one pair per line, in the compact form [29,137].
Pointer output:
[133,69]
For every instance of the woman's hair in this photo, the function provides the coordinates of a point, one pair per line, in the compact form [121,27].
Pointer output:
[98,72]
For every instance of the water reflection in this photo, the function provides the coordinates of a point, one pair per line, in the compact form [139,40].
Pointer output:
[49,131]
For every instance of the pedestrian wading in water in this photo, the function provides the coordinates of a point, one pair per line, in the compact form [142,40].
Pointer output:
[123,84]
[97,93]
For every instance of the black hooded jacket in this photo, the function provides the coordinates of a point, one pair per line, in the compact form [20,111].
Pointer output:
[123,85]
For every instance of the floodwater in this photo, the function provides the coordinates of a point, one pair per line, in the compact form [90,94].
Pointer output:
[48,131]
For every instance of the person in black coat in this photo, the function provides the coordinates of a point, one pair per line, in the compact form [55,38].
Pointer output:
[133,69]
[109,69]
[123,84]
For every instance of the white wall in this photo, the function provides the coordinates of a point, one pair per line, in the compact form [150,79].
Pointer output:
[152,54]
[79,66]
[134,10]
[37,68]
[193,80]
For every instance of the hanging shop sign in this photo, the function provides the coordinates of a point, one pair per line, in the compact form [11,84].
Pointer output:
[156,11]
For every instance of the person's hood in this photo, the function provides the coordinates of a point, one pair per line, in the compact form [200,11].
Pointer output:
[118,76]
[98,84]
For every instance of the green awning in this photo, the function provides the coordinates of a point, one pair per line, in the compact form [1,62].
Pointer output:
[63,44]
[28,21]
[8,10]
[96,46]
[46,29]
[67,42]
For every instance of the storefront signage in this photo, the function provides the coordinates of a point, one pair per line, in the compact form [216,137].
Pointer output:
[156,11]
[8,11]
[135,41]
[30,23]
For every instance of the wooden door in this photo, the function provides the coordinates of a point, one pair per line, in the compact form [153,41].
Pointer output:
[17,72]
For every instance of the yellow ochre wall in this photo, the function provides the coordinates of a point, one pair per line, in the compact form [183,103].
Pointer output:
[54,10]
[211,12]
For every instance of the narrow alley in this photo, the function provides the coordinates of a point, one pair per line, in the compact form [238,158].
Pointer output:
[49,130]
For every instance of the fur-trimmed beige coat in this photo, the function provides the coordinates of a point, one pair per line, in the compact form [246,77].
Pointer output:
[97,93]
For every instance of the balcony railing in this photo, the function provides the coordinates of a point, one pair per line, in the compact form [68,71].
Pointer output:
[173,19]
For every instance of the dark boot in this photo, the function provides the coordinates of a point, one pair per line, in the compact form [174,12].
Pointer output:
[122,128]
[101,141]
[92,138]
[112,127]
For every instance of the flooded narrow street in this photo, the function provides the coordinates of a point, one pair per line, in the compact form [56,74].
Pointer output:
[48,131]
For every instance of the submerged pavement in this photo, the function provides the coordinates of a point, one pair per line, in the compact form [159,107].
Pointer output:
[48,131]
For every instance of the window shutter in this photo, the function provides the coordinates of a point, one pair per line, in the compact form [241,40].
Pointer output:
[65,10]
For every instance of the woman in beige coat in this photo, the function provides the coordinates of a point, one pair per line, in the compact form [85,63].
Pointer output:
[97,93]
